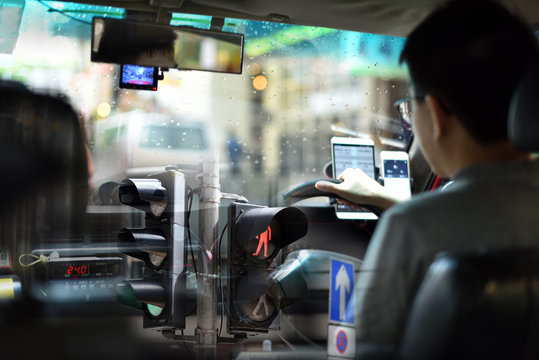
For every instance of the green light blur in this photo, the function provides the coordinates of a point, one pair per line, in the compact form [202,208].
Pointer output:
[284,38]
[154,310]
[198,21]
[81,11]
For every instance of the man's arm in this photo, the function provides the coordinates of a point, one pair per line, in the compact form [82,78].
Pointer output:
[359,188]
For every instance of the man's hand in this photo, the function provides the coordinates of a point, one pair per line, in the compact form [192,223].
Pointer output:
[359,188]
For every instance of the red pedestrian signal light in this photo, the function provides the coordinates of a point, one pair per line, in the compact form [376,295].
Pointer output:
[256,235]
[263,240]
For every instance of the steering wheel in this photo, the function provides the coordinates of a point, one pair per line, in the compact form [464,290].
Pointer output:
[308,190]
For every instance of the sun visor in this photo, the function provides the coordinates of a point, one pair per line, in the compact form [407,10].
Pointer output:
[10,22]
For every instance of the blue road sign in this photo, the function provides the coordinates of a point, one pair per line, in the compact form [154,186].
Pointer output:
[341,305]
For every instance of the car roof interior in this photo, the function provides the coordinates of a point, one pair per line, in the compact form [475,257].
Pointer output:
[387,17]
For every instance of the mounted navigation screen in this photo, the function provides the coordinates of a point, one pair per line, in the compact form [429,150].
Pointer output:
[138,77]
[126,42]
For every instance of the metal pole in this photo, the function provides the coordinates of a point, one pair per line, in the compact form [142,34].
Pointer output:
[210,197]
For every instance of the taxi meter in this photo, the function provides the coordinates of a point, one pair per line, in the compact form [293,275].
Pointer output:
[78,278]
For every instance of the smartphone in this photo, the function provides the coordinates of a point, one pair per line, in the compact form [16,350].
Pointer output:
[395,168]
[352,153]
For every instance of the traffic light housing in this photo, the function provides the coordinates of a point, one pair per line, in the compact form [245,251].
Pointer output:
[160,244]
[256,235]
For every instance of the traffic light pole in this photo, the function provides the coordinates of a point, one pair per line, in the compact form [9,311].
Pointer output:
[210,195]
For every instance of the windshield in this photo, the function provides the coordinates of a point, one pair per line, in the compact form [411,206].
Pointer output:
[268,128]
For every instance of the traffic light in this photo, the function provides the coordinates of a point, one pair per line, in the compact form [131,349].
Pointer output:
[160,244]
[256,235]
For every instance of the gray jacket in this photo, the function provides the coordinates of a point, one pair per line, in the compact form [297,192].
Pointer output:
[494,205]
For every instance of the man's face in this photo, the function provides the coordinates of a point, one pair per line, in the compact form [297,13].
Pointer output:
[423,128]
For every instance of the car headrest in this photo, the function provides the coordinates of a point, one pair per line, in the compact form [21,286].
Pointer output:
[523,124]
[480,305]
[44,165]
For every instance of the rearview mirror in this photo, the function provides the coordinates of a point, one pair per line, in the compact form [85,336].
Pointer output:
[126,42]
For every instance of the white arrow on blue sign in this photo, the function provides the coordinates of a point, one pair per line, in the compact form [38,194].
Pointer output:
[341,306]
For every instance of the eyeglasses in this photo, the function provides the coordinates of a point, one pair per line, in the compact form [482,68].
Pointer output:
[404,107]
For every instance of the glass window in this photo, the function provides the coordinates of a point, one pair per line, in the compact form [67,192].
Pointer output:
[272,124]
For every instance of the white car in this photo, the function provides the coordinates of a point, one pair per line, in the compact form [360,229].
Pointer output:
[136,143]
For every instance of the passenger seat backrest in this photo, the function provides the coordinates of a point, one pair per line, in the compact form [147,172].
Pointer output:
[523,124]
[479,306]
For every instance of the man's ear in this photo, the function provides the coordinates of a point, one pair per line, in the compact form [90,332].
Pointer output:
[438,116]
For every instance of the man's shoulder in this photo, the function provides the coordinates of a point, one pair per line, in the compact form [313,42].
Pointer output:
[474,184]
[426,212]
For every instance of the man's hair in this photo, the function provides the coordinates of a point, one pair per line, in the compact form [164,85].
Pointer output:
[471,55]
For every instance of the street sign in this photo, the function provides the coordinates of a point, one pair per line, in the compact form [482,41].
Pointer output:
[341,305]
[341,341]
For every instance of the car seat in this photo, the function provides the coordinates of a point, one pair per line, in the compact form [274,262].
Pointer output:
[523,125]
[476,306]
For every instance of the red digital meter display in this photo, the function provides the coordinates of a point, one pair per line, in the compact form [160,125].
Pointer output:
[70,268]
[76,270]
